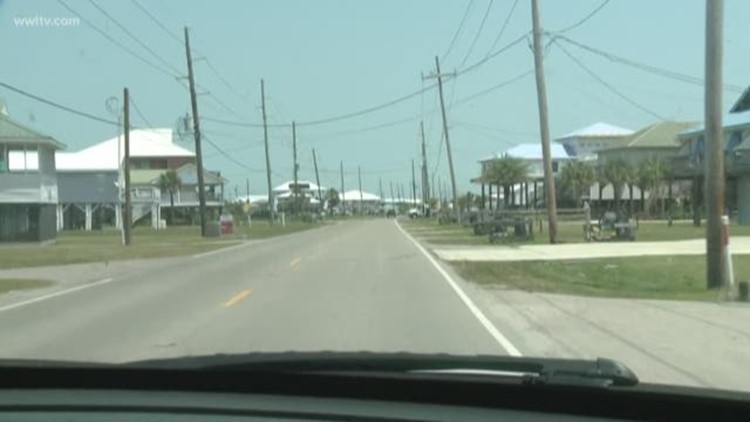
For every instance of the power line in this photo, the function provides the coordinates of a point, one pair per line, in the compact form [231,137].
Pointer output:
[458,30]
[610,87]
[141,58]
[234,150]
[239,124]
[641,66]
[179,40]
[160,58]
[224,80]
[479,32]
[416,117]
[229,156]
[502,28]
[494,87]
[378,107]
[58,105]
[139,113]
[585,18]
[492,55]
[115,42]
[333,118]
[134,38]
[369,109]
[172,35]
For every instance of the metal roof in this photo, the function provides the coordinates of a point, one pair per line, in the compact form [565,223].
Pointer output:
[353,195]
[657,135]
[14,132]
[188,174]
[597,130]
[104,155]
[728,121]
[531,151]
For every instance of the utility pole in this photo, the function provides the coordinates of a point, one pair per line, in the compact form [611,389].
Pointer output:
[271,208]
[413,185]
[439,77]
[197,134]
[361,200]
[380,188]
[714,170]
[541,89]
[343,199]
[393,198]
[317,177]
[440,192]
[295,191]
[247,189]
[425,175]
[127,214]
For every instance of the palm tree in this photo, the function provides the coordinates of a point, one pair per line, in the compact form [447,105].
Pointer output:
[651,173]
[619,173]
[506,172]
[577,176]
[170,182]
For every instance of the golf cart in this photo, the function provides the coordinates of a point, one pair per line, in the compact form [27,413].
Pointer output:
[611,227]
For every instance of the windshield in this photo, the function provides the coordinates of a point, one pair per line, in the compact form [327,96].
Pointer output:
[538,179]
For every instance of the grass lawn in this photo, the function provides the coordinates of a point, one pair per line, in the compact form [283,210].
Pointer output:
[568,232]
[9,284]
[662,277]
[105,245]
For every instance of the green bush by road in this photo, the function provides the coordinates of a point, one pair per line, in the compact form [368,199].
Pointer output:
[431,232]
[10,284]
[658,277]
[105,245]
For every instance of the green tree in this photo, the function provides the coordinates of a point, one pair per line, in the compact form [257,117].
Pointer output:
[578,176]
[506,172]
[650,174]
[237,209]
[170,183]
[618,173]
[468,200]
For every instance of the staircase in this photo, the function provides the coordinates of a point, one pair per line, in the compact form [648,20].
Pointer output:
[140,210]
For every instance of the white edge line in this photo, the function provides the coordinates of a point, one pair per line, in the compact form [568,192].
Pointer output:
[55,294]
[494,332]
[224,249]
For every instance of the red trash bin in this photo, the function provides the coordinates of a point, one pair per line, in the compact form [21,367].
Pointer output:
[227,224]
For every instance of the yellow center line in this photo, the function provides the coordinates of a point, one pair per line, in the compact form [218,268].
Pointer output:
[238,297]
[295,261]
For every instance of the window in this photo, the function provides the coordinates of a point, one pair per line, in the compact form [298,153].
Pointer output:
[555,166]
[23,160]
[3,160]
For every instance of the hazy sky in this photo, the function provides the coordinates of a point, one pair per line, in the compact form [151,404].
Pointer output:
[327,58]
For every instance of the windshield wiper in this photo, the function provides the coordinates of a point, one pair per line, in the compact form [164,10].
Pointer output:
[532,371]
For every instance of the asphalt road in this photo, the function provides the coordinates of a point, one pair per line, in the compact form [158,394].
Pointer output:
[359,285]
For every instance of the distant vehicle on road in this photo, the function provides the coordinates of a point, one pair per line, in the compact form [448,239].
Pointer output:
[390,213]
[414,213]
